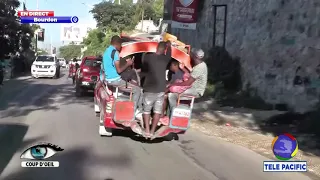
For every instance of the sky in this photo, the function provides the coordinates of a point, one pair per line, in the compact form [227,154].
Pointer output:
[79,8]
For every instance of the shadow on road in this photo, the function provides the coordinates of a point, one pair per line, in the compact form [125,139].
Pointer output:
[11,141]
[305,127]
[10,89]
[77,164]
[41,96]
[138,138]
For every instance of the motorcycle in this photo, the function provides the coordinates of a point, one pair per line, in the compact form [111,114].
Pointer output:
[72,72]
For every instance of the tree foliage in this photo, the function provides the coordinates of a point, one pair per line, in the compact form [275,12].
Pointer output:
[42,52]
[117,18]
[70,51]
[113,18]
[96,42]
[149,9]
[14,37]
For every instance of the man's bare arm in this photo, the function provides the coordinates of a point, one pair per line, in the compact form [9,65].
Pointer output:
[120,69]
[185,70]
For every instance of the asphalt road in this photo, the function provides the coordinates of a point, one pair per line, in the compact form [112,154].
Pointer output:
[46,110]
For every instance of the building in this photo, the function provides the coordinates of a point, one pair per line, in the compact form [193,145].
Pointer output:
[278,42]
[147,26]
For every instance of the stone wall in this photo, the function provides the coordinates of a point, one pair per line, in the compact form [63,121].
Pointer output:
[278,42]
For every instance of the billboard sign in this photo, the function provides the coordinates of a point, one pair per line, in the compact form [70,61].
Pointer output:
[41,35]
[75,33]
[184,14]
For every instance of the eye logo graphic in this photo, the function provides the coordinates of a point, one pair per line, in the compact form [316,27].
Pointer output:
[38,153]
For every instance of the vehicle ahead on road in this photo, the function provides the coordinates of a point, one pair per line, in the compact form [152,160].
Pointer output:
[87,74]
[115,107]
[45,66]
[62,62]
[73,66]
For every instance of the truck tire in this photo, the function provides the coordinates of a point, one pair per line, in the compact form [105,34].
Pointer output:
[58,74]
[55,75]
[79,90]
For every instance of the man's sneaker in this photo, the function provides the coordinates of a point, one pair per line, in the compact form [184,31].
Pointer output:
[138,114]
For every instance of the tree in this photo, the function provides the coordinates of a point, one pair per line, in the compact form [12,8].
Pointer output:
[149,9]
[114,17]
[70,51]
[158,9]
[118,18]
[14,37]
[34,28]
[96,42]
[42,52]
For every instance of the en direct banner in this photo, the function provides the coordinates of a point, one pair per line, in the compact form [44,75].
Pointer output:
[184,14]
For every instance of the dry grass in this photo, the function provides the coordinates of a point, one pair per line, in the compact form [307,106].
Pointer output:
[258,142]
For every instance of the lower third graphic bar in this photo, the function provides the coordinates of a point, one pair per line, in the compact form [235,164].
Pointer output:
[54,19]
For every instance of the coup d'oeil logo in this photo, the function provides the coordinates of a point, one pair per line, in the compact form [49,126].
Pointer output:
[284,146]
[38,153]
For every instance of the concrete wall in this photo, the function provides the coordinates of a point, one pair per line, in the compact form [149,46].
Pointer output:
[278,41]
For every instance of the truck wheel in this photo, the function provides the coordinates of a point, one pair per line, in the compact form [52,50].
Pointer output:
[171,137]
[58,74]
[79,90]
[55,76]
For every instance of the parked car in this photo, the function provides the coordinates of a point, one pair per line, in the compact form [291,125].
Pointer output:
[87,74]
[45,66]
[62,62]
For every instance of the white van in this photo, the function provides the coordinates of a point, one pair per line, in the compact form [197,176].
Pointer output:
[45,66]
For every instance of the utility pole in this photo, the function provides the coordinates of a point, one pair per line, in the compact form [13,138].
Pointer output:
[51,48]
[36,48]
[142,14]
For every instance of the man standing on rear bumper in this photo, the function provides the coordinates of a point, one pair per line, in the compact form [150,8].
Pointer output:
[155,85]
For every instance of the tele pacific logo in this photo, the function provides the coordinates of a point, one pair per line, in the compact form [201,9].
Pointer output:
[284,147]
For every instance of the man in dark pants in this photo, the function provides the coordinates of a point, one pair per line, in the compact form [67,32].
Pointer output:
[155,85]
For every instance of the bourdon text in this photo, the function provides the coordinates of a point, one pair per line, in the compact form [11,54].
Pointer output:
[39,164]
[38,19]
